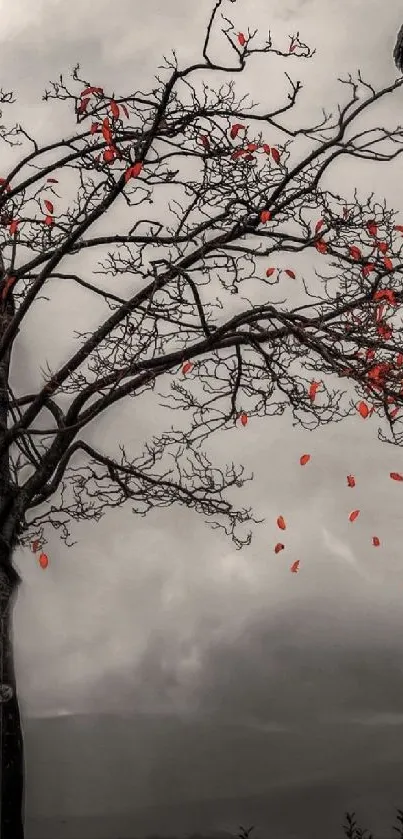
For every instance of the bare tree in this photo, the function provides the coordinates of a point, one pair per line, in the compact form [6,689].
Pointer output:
[245,193]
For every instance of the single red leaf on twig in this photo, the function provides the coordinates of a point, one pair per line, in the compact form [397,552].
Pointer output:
[241,39]
[244,418]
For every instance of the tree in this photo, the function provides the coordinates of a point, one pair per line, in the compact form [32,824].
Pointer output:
[243,204]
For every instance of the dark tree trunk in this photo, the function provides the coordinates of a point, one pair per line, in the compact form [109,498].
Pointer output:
[11,741]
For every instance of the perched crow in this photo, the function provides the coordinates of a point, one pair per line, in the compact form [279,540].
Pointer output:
[398,50]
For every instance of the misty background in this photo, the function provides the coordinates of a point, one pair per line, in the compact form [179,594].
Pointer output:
[169,683]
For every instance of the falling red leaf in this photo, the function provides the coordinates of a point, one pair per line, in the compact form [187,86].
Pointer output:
[244,418]
[354,515]
[14,227]
[49,205]
[35,546]
[376,542]
[295,566]
[235,129]
[396,476]
[304,459]
[115,111]
[321,246]
[290,273]
[281,523]
[350,481]
[319,224]
[372,228]
[186,367]
[265,215]
[363,409]
[388,263]
[355,252]
[279,547]
[275,154]
[313,389]
[270,271]
[241,39]
[43,561]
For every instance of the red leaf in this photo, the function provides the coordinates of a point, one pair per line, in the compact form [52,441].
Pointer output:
[279,547]
[355,253]
[345,212]
[382,246]
[366,269]
[241,39]
[266,148]
[14,227]
[235,129]
[375,542]
[133,171]
[281,523]
[35,546]
[270,271]
[43,561]
[295,567]
[94,127]
[321,246]
[106,131]
[83,106]
[350,481]
[52,180]
[385,294]
[275,155]
[399,359]
[205,141]
[48,205]
[109,155]
[363,409]
[252,146]
[372,228]
[48,220]
[7,285]
[2,182]
[304,459]
[265,215]
[238,153]
[399,227]
[90,90]
[115,111]
[312,390]
[244,418]
[319,224]
[290,273]
[186,367]
[354,515]
[388,263]
[396,476]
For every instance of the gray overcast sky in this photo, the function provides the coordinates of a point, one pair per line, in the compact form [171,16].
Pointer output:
[162,614]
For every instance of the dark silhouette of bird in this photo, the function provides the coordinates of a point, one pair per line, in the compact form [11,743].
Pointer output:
[398,50]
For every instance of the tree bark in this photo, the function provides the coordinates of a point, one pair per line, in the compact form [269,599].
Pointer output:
[11,740]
